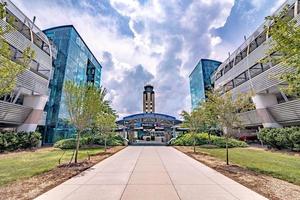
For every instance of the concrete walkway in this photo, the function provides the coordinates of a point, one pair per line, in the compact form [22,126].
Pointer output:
[154,173]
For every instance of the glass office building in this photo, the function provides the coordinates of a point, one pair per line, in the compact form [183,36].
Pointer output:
[74,62]
[200,80]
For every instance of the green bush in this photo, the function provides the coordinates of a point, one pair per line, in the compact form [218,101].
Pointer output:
[10,140]
[66,144]
[204,139]
[281,138]
[113,140]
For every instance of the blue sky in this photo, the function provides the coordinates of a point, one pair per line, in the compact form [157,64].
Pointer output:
[153,41]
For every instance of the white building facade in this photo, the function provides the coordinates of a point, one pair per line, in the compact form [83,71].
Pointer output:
[22,109]
[242,72]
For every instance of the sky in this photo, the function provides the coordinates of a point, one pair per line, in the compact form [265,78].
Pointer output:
[156,42]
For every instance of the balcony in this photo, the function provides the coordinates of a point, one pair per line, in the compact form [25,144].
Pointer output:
[287,112]
[263,81]
[33,82]
[13,113]
[284,113]
[19,41]
[250,118]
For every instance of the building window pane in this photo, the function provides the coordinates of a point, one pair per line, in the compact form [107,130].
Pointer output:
[228,86]
[238,58]
[253,46]
[219,74]
[261,38]
[240,79]
[291,12]
[255,70]
[275,58]
[244,53]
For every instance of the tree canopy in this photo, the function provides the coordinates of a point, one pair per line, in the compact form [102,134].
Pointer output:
[285,41]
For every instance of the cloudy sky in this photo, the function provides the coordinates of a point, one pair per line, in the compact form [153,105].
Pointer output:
[153,41]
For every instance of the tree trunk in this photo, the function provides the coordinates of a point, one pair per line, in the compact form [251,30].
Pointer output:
[105,144]
[227,153]
[194,144]
[77,146]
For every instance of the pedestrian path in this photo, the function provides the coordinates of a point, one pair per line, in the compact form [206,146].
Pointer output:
[150,173]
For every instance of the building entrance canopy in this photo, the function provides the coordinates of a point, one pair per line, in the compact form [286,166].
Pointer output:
[148,120]
[148,126]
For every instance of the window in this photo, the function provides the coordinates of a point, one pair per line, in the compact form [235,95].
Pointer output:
[226,69]
[253,45]
[229,86]
[242,78]
[266,66]
[255,70]
[275,58]
[219,74]
[46,48]
[291,12]
[34,65]
[13,51]
[238,58]
[37,41]
[298,9]
[244,53]
[231,64]
[261,38]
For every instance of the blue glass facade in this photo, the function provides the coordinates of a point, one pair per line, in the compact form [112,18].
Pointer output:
[200,80]
[74,62]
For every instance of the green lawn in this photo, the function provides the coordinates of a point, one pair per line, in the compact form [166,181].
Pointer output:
[279,165]
[14,166]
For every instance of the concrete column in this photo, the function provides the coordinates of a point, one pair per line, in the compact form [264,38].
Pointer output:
[38,103]
[262,102]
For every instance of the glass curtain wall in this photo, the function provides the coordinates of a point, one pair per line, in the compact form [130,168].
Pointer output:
[74,62]
[200,80]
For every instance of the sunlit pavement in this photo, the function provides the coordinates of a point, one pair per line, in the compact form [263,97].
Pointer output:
[154,173]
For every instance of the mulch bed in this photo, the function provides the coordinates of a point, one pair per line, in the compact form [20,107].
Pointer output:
[32,187]
[270,187]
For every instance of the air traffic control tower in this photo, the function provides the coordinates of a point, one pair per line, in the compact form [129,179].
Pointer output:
[148,99]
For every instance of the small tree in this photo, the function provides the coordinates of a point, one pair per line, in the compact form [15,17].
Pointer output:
[285,40]
[9,69]
[105,123]
[194,123]
[83,105]
[224,110]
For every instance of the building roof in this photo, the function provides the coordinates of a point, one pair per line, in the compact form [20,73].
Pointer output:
[72,27]
[201,60]
[149,115]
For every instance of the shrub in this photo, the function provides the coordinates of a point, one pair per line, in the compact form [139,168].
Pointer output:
[10,140]
[114,140]
[204,139]
[281,138]
[66,144]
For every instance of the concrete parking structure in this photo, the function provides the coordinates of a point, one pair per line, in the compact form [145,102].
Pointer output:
[148,172]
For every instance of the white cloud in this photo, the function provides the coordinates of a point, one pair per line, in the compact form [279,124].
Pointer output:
[169,39]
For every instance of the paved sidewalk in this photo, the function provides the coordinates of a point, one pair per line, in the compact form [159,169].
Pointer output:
[154,173]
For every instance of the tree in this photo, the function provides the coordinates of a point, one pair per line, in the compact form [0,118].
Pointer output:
[84,102]
[105,123]
[10,69]
[223,110]
[285,41]
[193,122]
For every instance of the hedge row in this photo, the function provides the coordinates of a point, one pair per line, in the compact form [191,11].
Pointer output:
[10,141]
[70,143]
[281,138]
[204,139]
